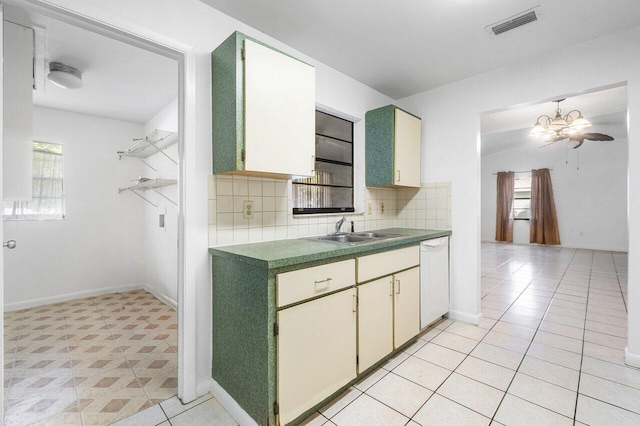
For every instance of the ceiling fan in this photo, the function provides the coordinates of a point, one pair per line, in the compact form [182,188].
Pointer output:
[580,138]
[569,126]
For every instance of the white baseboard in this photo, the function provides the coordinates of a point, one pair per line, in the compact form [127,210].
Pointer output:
[89,293]
[203,388]
[70,296]
[232,407]
[631,359]
[166,299]
[465,317]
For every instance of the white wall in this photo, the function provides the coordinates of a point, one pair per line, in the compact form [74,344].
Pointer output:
[97,247]
[195,24]
[451,145]
[591,201]
[451,123]
[160,244]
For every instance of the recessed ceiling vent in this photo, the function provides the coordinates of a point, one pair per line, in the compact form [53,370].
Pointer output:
[523,18]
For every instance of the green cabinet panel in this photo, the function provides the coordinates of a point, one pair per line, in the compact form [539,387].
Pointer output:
[247,312]
[263,106]
[392,147]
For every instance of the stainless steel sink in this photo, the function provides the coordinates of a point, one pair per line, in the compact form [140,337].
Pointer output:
[354,239]
[376,235]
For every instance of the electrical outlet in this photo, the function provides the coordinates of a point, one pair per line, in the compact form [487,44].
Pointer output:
[368,208]
[381,208]
[247,209]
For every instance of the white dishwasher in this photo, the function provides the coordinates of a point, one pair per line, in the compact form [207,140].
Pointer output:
[434,280]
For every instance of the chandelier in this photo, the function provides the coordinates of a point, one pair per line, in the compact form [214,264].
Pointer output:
[560,126]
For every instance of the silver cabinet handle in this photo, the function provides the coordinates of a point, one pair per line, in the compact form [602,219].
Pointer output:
[326,283]
[398,175]
[355,303]
[391,288]
[313,165]
[11,244]
[398,288]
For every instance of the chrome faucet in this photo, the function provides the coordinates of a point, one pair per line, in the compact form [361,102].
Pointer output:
[339,224]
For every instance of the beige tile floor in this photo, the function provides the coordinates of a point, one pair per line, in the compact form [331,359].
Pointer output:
[550,350]
[89,361]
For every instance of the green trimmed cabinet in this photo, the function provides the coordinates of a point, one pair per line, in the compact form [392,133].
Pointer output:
[392,148]
[316,351]
[388,306]
[263,104]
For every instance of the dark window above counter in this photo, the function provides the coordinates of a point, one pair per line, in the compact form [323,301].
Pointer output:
[330,189]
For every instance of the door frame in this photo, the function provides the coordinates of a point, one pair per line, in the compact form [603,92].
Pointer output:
[91,18]
[1,198]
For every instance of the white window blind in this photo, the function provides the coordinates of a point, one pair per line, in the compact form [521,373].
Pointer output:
[48,190]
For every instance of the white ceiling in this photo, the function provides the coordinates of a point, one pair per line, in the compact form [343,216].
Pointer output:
[401,48]
[120,81]
[605,109]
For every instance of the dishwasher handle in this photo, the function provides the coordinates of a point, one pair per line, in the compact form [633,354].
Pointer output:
[434,242]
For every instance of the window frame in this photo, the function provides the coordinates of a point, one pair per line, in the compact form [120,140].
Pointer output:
[308,182]
[512,214]
[12,206]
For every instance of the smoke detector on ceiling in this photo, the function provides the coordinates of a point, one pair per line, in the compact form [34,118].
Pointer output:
[515,21]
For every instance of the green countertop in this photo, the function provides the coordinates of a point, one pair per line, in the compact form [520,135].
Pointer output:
[286,253]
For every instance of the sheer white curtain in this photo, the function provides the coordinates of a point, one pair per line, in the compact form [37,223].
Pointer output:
[48,193]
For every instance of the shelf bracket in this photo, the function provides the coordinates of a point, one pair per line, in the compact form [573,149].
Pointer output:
[164,196]
[152,185]
[148,165]
[161,152]
[144,198]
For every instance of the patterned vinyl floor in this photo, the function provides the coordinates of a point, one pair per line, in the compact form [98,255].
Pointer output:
[89,361]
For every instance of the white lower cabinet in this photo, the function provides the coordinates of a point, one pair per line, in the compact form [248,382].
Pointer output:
[323,343]
[388,315]
[406,306]
[316,351]
[375,321]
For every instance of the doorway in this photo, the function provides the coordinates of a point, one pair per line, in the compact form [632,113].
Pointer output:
[110,302]
[589,181]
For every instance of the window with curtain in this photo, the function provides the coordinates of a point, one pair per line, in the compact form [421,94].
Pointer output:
[47,201]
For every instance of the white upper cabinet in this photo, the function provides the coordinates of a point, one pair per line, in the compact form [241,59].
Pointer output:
[392,148]
[407,149]
[263,111]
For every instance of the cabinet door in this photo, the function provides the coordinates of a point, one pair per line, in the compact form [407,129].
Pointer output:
[407,149]
[406,306]
[316,351]
[279,96]
[375,321]
[18,112]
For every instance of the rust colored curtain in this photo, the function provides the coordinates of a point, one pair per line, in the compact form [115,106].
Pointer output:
[544,222]
[504,222]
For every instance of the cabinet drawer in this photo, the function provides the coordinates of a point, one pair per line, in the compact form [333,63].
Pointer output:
[295,286]
[381,264]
